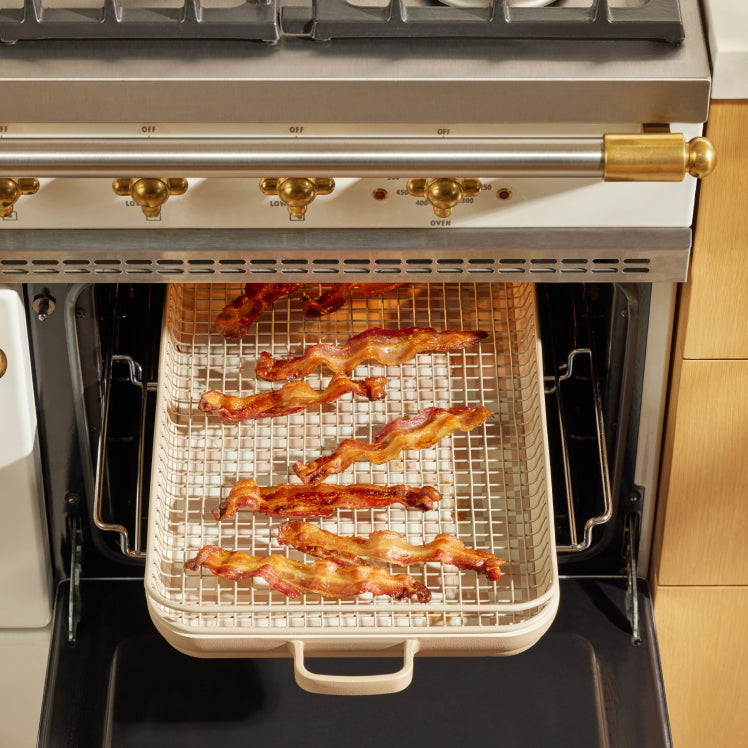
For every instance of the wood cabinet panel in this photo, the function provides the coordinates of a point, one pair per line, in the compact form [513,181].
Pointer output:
[716,297]
[704,654]
[702,522]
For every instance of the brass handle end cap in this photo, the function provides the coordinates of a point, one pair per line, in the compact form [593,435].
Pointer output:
[702,157]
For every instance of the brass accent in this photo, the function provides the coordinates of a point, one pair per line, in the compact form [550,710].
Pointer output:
[702,157]
[656,157]
[3,362]
[11,190]
[297,193]
[43,305]
[150,193]
[380,193]
[503,193]
[443,193]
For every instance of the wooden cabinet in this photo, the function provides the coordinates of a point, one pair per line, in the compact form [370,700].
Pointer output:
[704,652]
[715,299]
[704,525]
[699,570]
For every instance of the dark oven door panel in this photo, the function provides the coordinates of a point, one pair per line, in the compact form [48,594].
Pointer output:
[584,684]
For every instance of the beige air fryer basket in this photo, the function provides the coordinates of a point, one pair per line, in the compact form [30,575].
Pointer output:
[494,480]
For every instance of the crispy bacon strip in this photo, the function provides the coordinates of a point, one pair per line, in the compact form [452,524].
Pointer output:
[322,500]
[389,347]
[290,398]
[419,432]
[387,545]
[240,314]
[294,578]
[336,296]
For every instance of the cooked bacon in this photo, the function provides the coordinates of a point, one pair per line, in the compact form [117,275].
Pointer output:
[290,398]
[294,578]
[419,432]
[240,314]
[287,500]
[386,545]
[336,296]
[389,347]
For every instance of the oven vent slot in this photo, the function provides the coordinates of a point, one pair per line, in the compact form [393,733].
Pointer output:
[659,266]
[597,19]
[140,19]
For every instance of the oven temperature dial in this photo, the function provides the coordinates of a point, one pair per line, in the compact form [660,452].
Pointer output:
[11,190]
[148,192]
[444,193]
[297,193]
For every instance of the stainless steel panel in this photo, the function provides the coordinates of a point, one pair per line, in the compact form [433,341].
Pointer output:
[542,255]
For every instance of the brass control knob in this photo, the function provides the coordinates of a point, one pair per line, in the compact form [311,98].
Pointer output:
[11,190]
[149,193]
[444,193]
[297,193]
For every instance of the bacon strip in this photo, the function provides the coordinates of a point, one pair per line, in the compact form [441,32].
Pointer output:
[240,314]
[294,578]
[322,500]
[336,296]
[290,398]
[387,545]
[389,347]
[419,432]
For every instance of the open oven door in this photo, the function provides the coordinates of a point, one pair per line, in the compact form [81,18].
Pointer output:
[584,684]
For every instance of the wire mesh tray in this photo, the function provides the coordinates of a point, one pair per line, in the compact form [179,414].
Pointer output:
[494,479]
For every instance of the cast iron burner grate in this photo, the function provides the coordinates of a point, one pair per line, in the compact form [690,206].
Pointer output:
[333,19]
[266,20]
[255,20]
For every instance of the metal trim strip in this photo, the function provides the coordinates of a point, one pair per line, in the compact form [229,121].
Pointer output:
[326,255]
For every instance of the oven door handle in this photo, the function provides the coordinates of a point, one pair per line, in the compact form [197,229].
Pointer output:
[354,685]
[648,156]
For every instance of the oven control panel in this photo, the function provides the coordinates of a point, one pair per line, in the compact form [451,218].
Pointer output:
[277,201]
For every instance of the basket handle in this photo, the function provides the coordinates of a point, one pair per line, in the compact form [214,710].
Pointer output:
[354,685]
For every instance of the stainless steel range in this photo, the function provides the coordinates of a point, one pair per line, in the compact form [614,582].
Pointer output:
[523,165]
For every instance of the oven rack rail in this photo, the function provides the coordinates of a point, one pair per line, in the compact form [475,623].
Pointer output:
[580,531]
[267,21]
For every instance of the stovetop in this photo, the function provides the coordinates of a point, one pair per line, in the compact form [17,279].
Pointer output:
[371,81]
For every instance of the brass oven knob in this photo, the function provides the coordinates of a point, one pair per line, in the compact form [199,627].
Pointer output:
[444,193]
[297,193]
[149,193]
[11,190]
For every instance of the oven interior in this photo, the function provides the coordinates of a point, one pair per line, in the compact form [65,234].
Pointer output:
[137,688]
[592,338]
